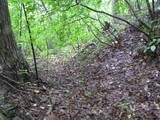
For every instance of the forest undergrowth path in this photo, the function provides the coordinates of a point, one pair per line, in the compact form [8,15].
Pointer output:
[117,83]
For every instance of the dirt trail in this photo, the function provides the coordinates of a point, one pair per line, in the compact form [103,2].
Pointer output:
[118,83]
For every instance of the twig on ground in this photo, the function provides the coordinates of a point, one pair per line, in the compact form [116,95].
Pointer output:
[11,80]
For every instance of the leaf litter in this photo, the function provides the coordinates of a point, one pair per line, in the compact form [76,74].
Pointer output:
[115,83]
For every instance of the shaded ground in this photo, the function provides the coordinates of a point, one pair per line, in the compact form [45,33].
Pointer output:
[117,83]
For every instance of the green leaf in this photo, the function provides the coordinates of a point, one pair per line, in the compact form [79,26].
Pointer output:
[123,105]
[153,48]
[146,49]
[158,41]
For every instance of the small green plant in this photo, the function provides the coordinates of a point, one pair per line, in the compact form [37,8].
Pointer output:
[123,105]
[152,46]
[128,110]
[2,99]
[5,108]
[23,72]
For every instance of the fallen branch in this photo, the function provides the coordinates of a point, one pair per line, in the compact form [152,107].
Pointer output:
[6,79]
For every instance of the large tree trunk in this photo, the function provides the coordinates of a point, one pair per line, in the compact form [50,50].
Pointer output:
[11,58]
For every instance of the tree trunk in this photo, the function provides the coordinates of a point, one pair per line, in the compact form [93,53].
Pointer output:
[11,58]
[10,55]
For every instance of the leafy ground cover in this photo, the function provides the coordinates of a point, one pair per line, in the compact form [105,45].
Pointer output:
[115,83]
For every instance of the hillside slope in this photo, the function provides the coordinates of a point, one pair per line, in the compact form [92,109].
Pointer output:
[117,83]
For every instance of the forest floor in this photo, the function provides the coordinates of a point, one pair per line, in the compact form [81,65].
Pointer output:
[115,83]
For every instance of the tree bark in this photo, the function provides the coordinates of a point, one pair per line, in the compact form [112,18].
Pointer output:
[10,56]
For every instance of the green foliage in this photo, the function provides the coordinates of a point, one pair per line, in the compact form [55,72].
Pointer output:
[120,7]
[59,26]
[5,109]
[127,109]
[152,46]
[55,27]
[2,99]
[123,105]
[23,72]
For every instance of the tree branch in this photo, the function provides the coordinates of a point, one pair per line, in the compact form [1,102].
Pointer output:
[149,9]
[140,21]
[90,29]
[116,17]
